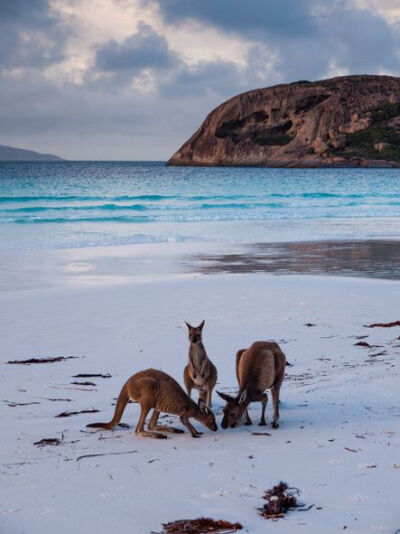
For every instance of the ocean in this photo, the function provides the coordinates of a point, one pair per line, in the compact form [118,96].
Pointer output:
[82,204]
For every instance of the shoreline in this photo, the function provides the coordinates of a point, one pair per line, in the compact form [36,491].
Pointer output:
[122,264]
[309,164]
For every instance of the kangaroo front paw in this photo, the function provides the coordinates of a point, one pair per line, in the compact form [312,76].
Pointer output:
[262,423]
[275,424]
[197,434]
[248,422]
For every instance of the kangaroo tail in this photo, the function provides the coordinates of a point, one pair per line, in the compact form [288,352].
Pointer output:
[119,410]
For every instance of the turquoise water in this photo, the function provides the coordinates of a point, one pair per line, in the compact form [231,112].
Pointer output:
[76,204]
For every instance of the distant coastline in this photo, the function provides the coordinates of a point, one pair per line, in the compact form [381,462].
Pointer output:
[9,153]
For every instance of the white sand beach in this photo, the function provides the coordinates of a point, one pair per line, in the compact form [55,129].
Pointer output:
[339,439]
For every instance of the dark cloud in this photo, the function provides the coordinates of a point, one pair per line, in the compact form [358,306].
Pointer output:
[21,12]
[284,17]
[306,35]
[143,50]
[360,41]
[208,78]
[30,35]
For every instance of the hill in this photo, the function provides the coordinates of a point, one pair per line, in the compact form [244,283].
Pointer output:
[9,153]
[345,121]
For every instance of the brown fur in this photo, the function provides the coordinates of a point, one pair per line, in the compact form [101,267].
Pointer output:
[200,373]
[156,390]
[258,368]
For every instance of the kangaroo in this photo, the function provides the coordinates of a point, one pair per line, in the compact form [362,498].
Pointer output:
[156,390]
[200,373]
[260,367]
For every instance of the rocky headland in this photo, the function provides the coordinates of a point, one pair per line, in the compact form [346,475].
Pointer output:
[348,121]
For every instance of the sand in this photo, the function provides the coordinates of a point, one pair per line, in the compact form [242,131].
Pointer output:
[339,439]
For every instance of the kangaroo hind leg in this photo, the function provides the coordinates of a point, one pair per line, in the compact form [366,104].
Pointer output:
[185,421]
[140,431]
[275,401]
[153,425]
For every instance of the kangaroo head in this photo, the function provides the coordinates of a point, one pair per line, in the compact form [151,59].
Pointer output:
[206,417]
[234,409]
[195,332]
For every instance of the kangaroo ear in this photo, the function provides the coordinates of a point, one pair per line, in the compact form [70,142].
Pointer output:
[201,324]
[242,397]
[225,396]
[203,407]
[188,325]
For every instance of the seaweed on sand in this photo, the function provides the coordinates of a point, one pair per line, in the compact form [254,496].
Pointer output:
[41,360]
[383,325]
[200,526]
[280,499]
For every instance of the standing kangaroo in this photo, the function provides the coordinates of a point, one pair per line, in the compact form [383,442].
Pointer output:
[200,373]
[260,367]
[153,389]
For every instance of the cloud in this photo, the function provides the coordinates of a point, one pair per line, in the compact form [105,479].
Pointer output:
[29,34]
[285,17]
[361,41]
[144,49]
[310,39]
[389,10]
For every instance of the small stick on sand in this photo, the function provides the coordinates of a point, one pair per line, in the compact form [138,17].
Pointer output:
[68,414]
[89,375]
[103,454]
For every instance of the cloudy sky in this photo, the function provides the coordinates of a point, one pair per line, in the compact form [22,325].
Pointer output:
[132,79]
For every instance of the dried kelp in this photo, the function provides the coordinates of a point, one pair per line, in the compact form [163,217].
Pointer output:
[383,325]
[280,499]
[202,525]
[13,404]
[41,360]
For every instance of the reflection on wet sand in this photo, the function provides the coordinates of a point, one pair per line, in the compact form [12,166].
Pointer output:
[371,259]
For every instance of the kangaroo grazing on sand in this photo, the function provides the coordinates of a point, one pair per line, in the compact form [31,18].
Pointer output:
[260,367]
[156,390]
[200,373]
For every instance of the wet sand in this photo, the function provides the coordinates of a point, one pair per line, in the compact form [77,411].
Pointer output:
[364,259]
[128,263]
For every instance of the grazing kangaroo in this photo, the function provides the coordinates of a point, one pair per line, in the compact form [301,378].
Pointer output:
[200,373]
[260,367]
[156,390]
